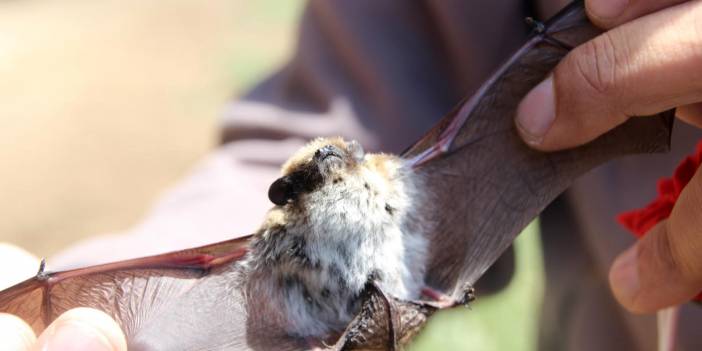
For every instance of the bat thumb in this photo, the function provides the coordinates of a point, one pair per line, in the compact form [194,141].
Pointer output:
[83,329]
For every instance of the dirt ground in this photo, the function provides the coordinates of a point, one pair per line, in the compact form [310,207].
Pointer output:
[105,103]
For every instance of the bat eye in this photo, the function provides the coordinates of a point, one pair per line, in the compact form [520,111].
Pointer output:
[281,191]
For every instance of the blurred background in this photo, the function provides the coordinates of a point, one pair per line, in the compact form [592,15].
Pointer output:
[104,104]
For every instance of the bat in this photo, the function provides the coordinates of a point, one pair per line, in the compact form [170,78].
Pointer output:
[468,188]
[340,221]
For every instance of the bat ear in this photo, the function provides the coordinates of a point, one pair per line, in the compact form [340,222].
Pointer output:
[281,191]
[356,150]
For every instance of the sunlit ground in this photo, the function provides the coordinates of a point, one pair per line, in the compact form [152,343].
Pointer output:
[106,103]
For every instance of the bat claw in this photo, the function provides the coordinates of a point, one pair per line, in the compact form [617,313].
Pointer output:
[468,295]
[537,26]
[41,273]
[540,29]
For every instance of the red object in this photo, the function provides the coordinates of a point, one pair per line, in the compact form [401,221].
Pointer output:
[640,221]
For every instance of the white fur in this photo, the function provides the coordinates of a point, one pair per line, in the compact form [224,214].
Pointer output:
[351,216]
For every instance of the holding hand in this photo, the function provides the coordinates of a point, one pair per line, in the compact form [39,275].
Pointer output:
[649,64]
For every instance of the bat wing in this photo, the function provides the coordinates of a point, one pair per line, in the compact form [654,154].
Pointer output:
[489,185]
[482,185]
[154,299]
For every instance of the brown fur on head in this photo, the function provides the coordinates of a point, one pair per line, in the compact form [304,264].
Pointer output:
[330,162]
[312,165]
[305,154]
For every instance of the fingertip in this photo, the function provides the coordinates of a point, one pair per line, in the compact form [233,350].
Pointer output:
[16,334]
[651,274]
[83,329]
[606,13]
[690,114]
[624,279]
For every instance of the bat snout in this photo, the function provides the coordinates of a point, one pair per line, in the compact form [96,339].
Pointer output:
[329,158]
[326,152]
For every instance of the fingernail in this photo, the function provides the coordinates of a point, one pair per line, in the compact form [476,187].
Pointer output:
[536,112]
[607,9]
[76,337]
[624,275]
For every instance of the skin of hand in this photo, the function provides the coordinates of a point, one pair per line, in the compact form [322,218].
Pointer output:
[649,61]
[77,329]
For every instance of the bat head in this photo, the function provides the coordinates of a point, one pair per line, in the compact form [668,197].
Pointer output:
[320,161]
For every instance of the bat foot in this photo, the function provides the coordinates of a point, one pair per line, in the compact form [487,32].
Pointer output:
[467,295]
[41,273]
[441,300]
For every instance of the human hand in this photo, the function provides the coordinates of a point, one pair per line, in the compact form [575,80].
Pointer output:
[77,329]
[644,66]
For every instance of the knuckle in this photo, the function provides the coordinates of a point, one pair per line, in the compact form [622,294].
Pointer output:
[662,251]
[686,229]
[595,63]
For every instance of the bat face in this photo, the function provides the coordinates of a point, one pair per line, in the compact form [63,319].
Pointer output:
[312,166]
[331,177]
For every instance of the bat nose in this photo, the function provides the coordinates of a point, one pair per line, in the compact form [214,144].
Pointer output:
[327,151]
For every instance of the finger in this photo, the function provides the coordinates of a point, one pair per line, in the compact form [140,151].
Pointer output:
[611,13]
[665,267]
[692,114]
[82,329]
[16,335]
[16,265]
[641,68]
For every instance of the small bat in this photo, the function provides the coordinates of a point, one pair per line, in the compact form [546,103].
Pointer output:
[341,220]
[360,249]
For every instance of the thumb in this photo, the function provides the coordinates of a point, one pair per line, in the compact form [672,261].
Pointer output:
[82,329]
[665,267]
[640,68]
